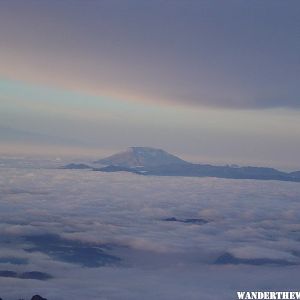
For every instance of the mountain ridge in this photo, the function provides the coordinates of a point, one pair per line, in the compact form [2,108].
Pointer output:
[150,161]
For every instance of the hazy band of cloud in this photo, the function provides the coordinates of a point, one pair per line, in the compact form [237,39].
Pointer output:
[238,54]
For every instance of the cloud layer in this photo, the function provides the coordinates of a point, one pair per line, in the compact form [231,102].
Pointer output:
[124,215]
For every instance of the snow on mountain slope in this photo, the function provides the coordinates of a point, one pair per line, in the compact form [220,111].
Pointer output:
[141,156]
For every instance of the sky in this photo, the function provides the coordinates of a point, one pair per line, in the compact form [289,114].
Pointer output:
[210,81]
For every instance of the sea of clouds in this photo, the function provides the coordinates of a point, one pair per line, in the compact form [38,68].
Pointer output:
[124,216]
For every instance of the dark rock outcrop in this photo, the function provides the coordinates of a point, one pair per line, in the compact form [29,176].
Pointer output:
[229,259]
[38,297]
[6,273]
[35,275]
[197,221]
[84,254]
[26,275]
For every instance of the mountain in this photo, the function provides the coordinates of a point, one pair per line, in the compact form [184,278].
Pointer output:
[200,170]
[156,162]
[135,157]
[295,174]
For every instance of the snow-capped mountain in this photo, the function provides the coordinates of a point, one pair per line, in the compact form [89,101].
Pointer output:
[141,157]
[157,162]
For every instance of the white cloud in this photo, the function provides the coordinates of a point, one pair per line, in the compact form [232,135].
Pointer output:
[160,259]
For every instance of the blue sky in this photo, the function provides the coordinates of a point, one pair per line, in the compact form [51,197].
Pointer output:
[209,80]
